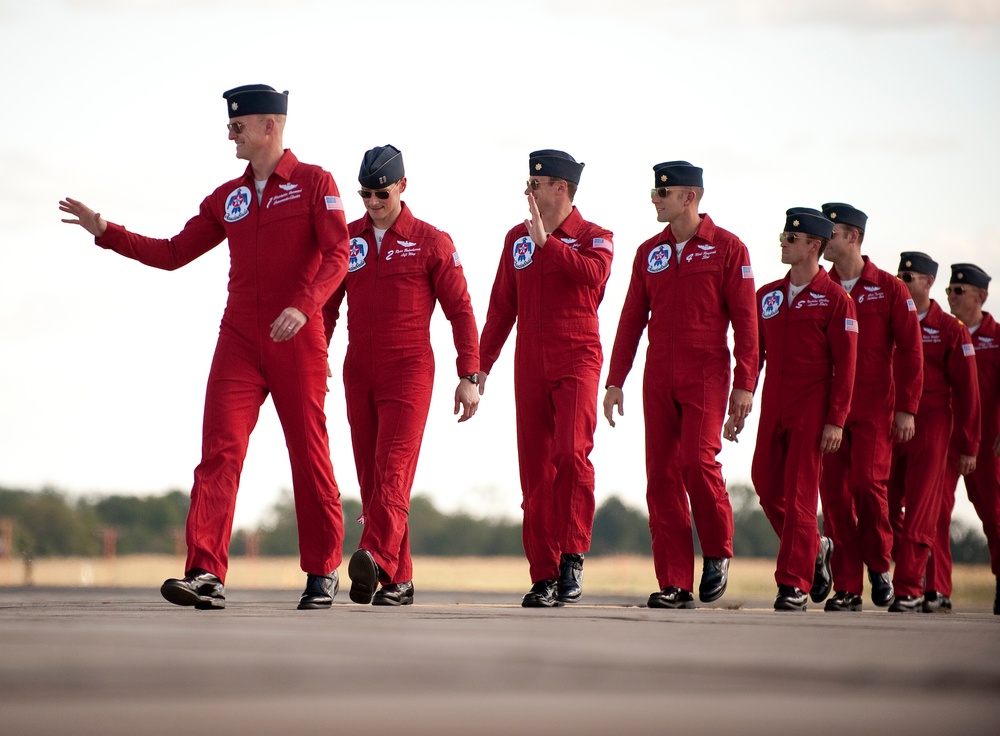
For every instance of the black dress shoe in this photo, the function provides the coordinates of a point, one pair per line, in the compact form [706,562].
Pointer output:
[843,601]
[198,588]
[882,592]
[320,591]
[671,597]
[790,598]
[906,604]
[996,599]
[934,602]
[569,588]
[394,594]
[364,575]
[823,576]
[541,595]
[714,578]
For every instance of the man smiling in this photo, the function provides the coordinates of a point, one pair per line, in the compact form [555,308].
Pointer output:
[399,269]
[284,221]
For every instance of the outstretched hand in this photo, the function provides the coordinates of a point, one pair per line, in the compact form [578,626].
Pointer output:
[85,217]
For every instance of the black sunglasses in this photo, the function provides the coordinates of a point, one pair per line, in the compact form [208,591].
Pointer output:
[956,290]
[534,184]
[379,193]
[662,192]
[908,276]
[236,127]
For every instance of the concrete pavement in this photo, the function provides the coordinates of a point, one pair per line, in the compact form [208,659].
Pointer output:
[123,661]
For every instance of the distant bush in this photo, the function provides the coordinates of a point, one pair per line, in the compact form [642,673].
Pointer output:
[45,524]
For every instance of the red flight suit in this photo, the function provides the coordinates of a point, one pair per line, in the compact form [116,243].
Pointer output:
[688,303]
[889,379]
[553,293]
[950,389]
[290,250]
[810,347]
[389,367]
[983,484]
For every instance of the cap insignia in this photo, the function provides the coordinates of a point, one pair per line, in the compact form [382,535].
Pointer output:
[795,223]
[538,167]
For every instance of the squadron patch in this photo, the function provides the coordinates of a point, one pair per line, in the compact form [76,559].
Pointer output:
[659,258]
[237,204]
[771,303]
[357,254]
[523,252]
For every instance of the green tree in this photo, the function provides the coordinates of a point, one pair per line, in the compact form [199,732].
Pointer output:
[144,524]
[620,529]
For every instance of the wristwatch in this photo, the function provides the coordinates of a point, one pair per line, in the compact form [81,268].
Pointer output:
[472,378]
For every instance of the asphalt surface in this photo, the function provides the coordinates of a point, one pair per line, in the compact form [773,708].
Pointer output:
[123,661]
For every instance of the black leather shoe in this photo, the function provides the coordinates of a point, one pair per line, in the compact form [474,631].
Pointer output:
[934,602]
[906,604]
[320,591]
[541,595]
[823,576]
[996,599]
[198,588]
[364,576]
[569,588]
[843,601]
[790,598]
[672,597]
[882,592]
[394,594]
[714,578]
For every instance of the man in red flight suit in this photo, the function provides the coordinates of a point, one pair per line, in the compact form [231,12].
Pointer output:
[399,268]
[284,221]
[950,389]
[688,283]
[967,293]
[551,279]
[887,389]
[808,338]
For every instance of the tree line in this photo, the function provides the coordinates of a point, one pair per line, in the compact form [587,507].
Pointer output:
[47,523]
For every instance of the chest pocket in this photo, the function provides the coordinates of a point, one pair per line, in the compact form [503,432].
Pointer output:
[275,207]
[699,267]
[816,314]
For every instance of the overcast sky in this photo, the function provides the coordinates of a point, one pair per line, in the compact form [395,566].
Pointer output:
[891,105]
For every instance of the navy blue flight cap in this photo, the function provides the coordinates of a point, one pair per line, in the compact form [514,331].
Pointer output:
[968,273]
[255,99]
[917,263]
[557,164]
[845,214]
[809,222]
[382,166]
[677,174]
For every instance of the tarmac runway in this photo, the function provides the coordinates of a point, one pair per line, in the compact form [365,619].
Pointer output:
[123,661]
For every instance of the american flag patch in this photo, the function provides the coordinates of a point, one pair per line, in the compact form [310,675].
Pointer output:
[967,350]
[747,272]
[910,305]
[850,325]
[456,259]
[334,203]
[603,244]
